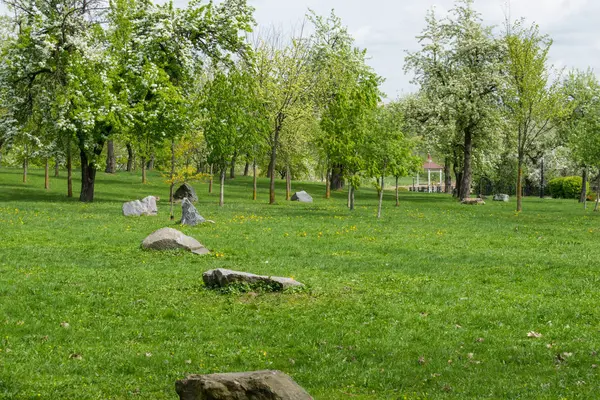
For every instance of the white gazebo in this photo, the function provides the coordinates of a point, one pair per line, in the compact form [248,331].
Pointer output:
[430,167]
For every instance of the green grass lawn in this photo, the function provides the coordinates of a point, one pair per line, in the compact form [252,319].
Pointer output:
[435,300]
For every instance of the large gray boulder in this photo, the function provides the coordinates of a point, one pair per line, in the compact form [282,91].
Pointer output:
[502,197]
[185,191]
[137,208]
[257,385]
[189,214]
[302,197]
[172,239]
[223,277]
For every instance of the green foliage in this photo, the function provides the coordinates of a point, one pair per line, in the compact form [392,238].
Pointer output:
[388,151]
[348,93]
[533,101]
[234,117]
[581,127]
[568,187]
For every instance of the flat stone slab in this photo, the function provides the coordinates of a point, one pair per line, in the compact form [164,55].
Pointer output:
[189,214]
[137,208]
[302,197]
[473,202]
[223,277]
[172,239]
[502,197]
[185,191]
[256,385]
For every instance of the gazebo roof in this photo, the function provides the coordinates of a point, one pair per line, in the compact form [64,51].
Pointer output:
[429,165]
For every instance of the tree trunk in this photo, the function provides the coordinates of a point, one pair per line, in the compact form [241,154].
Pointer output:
[447,176]
[272,165]
[151,162]
[351,197]
[254,179]
[327,184]
[88,179]
[247,168]
[47,174]
[56,168]
[457,169]
[381,197]
[397,198]
[269,169]
[129,157]
[143,170]
[542,180]
[172,186]
[232,169]
[584,179]
[221,193]
[597,193]
[111,162]
[337,177]
[25,165]
[69,171]
[520,186]
[210,180]
[465,186]
[596,208]
[288,183]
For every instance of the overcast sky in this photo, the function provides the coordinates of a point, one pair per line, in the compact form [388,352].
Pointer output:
[387,28]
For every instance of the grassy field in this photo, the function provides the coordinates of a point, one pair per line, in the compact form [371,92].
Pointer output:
[435,300]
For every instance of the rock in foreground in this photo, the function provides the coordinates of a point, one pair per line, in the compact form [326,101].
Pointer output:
[223,277]
[137,208]
[172,239]
[257,385]
[189,214]
[186,191]
[302,197]
[502,197]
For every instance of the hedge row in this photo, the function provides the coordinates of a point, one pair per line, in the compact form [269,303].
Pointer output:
[568,187]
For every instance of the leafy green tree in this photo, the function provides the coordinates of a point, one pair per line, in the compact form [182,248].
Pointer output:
[582,125]
[345,122]
[388,151]
[285,82]
[348,94]
[530,96]
[234,118]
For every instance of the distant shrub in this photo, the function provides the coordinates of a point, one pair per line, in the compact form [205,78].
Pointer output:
[555,187]
[568,187]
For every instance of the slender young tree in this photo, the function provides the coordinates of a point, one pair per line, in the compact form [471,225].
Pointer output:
[285,82]
[388,151]
[531,97]
[233,118]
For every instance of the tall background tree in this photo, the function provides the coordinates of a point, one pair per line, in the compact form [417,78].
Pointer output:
[458,70]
